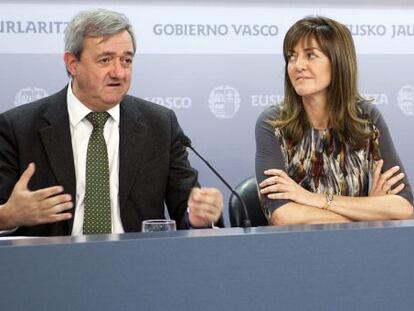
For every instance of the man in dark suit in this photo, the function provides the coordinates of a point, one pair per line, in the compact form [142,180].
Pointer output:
[46,167]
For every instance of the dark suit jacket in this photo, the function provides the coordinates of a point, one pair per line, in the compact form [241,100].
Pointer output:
[153,163]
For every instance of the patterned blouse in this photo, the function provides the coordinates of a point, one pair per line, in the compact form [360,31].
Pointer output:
[320,163]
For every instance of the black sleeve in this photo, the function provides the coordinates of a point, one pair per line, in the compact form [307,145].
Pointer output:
[181,178]
[9,170]
[388,152]
[268,155]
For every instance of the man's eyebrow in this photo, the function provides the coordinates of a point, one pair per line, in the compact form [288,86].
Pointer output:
[109,53]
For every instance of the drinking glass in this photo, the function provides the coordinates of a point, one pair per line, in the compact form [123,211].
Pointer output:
[153,225]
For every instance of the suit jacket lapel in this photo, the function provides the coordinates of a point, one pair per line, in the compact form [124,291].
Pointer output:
[56,139]
[57,142]
[132,142]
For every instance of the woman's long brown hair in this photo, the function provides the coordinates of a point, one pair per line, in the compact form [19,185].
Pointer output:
[335,41]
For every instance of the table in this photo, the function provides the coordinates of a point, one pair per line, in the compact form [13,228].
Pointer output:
[358,266]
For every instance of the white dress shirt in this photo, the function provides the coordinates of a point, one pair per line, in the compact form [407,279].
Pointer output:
[80,130]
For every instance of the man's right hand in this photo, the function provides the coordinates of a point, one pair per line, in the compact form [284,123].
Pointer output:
[28,208]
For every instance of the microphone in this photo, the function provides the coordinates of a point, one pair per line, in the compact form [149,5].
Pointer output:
[187,142]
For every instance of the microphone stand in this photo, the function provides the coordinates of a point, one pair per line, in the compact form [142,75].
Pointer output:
[246,223]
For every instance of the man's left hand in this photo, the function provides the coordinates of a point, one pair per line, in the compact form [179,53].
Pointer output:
[204,206]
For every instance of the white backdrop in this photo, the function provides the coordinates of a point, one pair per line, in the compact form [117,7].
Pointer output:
[218,64]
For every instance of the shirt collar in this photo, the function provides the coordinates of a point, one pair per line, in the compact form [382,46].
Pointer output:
[78,111]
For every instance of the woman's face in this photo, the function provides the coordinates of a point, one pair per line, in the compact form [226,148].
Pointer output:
[309,69]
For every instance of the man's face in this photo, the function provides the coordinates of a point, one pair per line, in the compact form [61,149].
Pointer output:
[102,76]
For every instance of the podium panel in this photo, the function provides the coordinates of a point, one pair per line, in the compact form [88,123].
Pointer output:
[359,266]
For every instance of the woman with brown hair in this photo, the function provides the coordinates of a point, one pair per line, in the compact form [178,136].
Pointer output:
[325,155]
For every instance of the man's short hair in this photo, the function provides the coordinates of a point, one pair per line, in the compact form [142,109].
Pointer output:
[95,23]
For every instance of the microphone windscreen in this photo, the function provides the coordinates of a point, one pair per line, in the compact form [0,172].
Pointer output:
[185,140]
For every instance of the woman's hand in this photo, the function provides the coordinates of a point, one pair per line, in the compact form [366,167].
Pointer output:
[280,186]
[385,183]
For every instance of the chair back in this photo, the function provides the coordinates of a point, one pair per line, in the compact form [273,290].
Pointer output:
[247,190]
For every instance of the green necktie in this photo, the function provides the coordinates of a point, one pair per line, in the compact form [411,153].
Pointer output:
[97,216]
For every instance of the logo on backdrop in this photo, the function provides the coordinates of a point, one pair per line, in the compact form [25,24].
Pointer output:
[33,27]
[172,102]
[28,95]
[264,100]
[377,98]
[405,99]
[203,30]
[224,101]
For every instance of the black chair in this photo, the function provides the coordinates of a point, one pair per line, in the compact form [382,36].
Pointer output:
[247,190]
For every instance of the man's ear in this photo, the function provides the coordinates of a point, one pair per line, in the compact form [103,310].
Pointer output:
[71,63]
